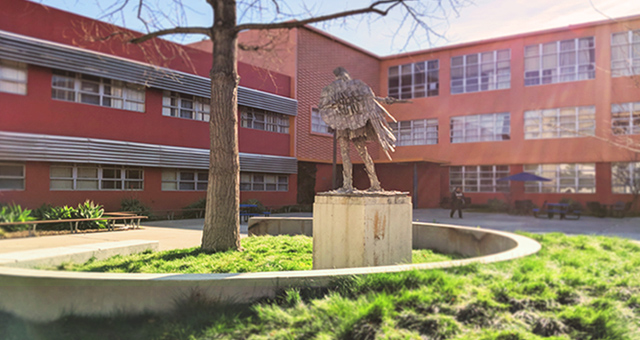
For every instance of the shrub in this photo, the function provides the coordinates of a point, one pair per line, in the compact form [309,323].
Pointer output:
[48,212]
[15,213]
[294,208]
[88,209]
[134,205]
[497,205]
[573,204]
[194,209]
[260,207]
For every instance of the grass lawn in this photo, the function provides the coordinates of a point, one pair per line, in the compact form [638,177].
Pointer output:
[261,254]
[577,287]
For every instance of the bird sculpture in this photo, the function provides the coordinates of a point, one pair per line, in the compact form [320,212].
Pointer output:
[350,107]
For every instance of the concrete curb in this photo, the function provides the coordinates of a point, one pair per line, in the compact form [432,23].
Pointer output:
[47,295]
[78,254]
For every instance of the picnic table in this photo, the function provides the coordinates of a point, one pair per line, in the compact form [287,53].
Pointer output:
[563,209]
[248,210]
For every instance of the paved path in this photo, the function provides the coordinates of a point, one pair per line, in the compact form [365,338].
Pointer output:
[188,233]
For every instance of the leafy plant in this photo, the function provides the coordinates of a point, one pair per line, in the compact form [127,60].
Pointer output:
[573,204]
[134,205]
[88,209]
[15,213]
[259,206]
[497,205]
[195,209]
[49,212]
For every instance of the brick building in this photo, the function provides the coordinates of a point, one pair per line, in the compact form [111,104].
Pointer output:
[561,103]
[88,119]
[558,103]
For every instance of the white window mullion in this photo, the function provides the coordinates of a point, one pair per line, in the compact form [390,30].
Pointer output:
[75,176]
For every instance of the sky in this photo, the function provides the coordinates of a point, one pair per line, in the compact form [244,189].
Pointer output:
[476,20]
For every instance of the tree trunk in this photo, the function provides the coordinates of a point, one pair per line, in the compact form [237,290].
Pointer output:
[222,223]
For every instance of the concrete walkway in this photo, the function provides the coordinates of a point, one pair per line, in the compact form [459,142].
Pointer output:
[176,234]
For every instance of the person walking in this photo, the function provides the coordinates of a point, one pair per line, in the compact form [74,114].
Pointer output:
[457,202]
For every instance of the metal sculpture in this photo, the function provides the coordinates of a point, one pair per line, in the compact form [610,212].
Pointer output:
[351,108]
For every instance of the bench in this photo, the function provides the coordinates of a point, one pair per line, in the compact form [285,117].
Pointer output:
[73,223]
[245,212]
[563,209]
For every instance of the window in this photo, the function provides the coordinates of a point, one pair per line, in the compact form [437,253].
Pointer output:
[317,123]
[416,132]
[625,178]
[481,128]
[11,176]
[184,180]
[625,118]
[565,178]
[92,90]
[95,177]
[258,119]
[560,61]
[13,77]
[185,106]
[415,80]
[481,71]
[479,178]
[560,123]
[625,53]
[263,182]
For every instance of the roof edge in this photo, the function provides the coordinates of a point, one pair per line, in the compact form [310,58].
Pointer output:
[341,41]
[513,36]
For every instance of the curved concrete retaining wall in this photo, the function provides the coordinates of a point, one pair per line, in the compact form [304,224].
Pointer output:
[46,295]
[448,239]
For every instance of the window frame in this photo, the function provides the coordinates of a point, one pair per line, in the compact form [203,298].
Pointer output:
[398,131]
[429,86]
[628,185]
[120,183]
[469,123]
[560,73]
[559,181]
[106,91]
[173,105]
[471,73]
[200,180]
[626,112]
[249,181]
[22,178]
[317,121]
[536,118]
[20,81]
[629,64]
[270,121]
[479,173]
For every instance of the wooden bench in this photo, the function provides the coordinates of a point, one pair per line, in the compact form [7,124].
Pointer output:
[73,223]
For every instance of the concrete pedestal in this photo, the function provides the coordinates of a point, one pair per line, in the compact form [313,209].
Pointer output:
[361,229]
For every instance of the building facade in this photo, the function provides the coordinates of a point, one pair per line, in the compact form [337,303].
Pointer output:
[561,103]
[107,120]
[82,119]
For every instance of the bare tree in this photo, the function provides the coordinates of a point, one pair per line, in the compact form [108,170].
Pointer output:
[221,229]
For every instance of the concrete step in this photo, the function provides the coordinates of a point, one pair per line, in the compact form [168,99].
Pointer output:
[78,254]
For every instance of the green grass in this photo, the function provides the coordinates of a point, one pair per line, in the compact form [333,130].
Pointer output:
[576,287]
[261,254]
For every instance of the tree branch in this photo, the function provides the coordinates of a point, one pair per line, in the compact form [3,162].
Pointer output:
[293,24]
[176,30]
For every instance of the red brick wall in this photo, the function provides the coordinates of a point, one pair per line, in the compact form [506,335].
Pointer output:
[318,56]
[37,192]
[75,30]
